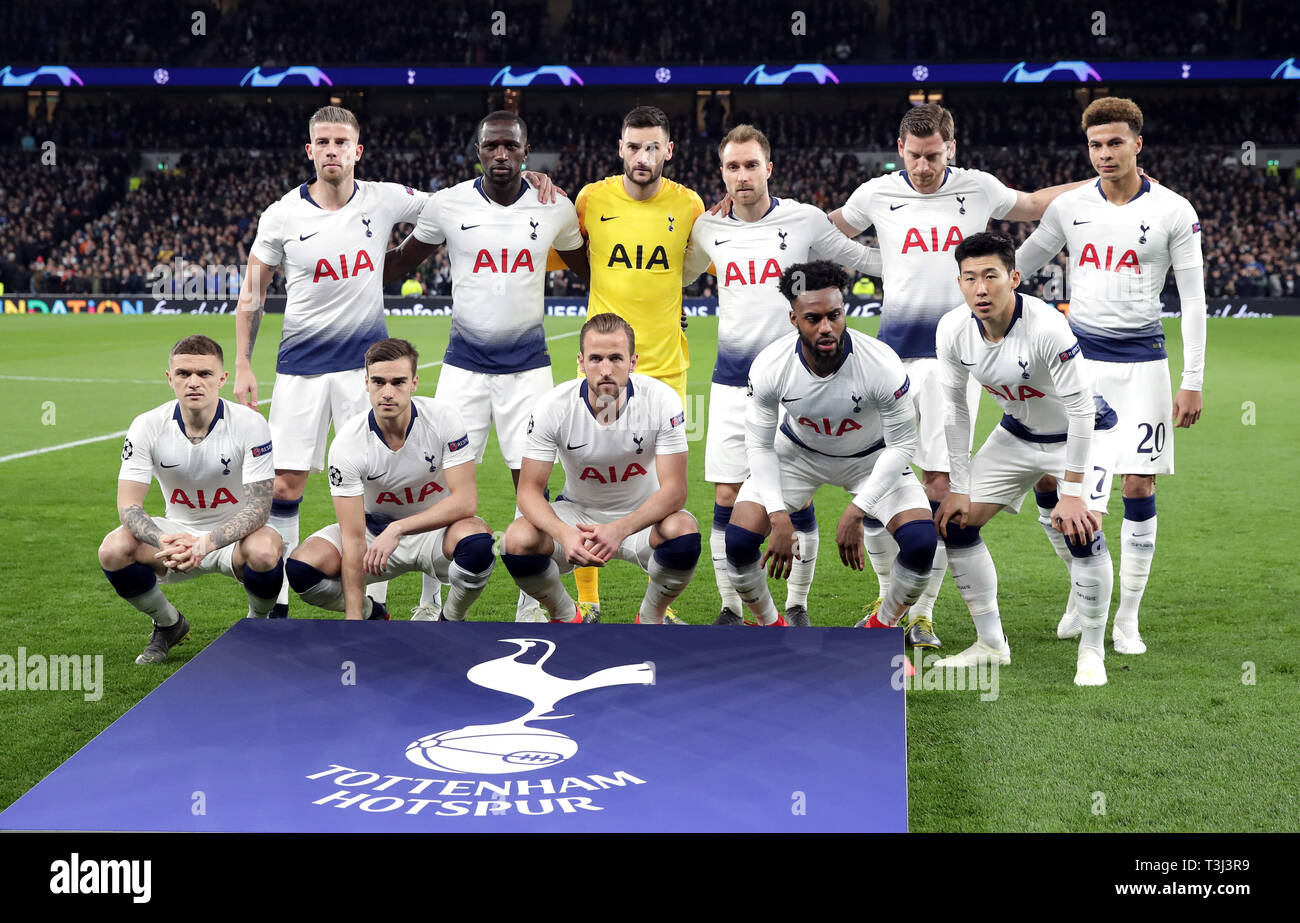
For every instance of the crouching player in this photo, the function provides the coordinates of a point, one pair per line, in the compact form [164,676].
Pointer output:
[621,440]
[846,419]
[1023,352]
[402,478]
[212,459]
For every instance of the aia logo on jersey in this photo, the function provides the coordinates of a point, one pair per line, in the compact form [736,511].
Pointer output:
[735,273]
[1005,392]
[326,270]
[927,240]
[619,255]
[824,427]
[180,498]
[485,261]
[593,474]
[389,496]
[1088,256]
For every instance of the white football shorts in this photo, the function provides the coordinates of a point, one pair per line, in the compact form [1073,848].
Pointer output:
[1143,399]
[504,401]
[1007,467]
[725,461]
[804,472]
[302,408]
[928,399]
[421,552]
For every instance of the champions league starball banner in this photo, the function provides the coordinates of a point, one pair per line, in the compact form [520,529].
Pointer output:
[324,725]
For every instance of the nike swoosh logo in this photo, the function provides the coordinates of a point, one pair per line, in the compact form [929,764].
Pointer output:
[1077,221]
[1142,534]
[964,362]
[165,465]
[376,477]
[1157,455]
[305,236]
[790,400]
[610,218]
[894,208]
[573,448]
[466,227]
[719,243]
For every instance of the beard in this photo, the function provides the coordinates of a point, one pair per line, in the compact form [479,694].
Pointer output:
[823,361]
[655,173]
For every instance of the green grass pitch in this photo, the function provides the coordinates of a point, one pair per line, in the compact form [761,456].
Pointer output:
[1198,734]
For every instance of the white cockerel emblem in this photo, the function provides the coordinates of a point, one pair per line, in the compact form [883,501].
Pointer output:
[514,746]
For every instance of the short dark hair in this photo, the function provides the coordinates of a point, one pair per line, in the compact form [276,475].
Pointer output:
[608,322]
[986,243]
[812,277]
[647,117]
[925,120]
[390,349]
[198,345]
[501,115]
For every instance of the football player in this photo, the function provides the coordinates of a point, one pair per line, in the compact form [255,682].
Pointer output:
[620,438]
[402,477]
[212,459]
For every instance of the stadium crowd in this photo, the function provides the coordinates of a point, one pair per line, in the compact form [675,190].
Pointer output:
[96,221]
[266,33]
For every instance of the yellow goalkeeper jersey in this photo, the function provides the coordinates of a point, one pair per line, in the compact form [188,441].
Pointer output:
[636,251]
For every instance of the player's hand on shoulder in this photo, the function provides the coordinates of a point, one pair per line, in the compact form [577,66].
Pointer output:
[954,509]
[722,206]
[546,190]
[848,536]
[1187,408]
[246,388]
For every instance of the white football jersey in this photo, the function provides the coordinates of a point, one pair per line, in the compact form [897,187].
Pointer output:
[749,257]
[1028,371]
[608,467]
[1119,256]
[918,233]
[405,482]
[203,484]
[333,263]
[859,409]
[498,272]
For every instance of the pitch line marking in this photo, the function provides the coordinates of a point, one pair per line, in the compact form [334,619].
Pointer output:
[118,435]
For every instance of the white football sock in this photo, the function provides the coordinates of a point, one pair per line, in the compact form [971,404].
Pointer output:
[1093,581]
[466,586]
[1136,551]
[751,583]
[328,594]
[905,585]
[801,572]
[977,581]
[1062,551]
[154,604]
[431,592]
[665,585]
[924,607]
[259,607]
[718,551]
[287,525]
[547,589]
[881,549]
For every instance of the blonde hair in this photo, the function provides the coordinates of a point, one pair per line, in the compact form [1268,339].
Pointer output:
[742,134]
[333,115]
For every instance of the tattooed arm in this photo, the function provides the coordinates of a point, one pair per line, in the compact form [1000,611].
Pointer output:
[130,510]
[254,515]
[248,317]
